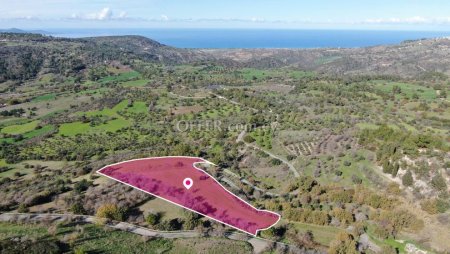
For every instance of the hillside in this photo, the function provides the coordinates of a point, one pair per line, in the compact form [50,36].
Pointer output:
[407,59]
[23,56]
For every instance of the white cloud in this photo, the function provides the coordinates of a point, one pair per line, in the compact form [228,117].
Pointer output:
[411,20]
[103,14]
[122,15]
[255,19]
[164,17]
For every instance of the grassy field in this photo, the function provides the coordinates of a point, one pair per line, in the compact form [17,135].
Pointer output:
[135,83]
[72,129]
[20,128]
[45,97]
[408,90]
[168,211]
[97,239]
[113,125]
[322,234]
[126,76]
[258,74]
[28,171]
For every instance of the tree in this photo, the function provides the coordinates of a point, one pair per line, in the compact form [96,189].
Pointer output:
[301,239]
[111,211]
[343,244]
[408,179]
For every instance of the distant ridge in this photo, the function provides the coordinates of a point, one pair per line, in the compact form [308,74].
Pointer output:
[20,31]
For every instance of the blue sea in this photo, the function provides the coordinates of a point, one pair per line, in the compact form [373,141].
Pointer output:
[259,38]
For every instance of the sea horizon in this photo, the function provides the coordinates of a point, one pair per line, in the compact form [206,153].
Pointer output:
[257,38]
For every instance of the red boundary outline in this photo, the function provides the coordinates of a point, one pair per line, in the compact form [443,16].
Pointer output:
[206,162]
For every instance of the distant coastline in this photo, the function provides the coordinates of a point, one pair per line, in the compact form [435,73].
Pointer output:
[259,38]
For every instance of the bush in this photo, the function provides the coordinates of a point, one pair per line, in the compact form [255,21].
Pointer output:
[356,179]
[77,208]
[291,157]
[438,183]
[275,162]
[170,225]
[111,211]
[153,218]
[435,206]
[82,186]
[249,139]
[408,179]
[22,208]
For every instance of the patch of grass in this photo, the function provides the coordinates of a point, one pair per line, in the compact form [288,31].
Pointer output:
[45,97]
[72,129]
[20,129]
[301,74]
[322,234]
[126,76]
[408,90]
[135,83]
[38,132]
[138,107]
[327,59]
[211,245]
[3,163]
[111,112]
[94,239]
[7,140]
[254,74]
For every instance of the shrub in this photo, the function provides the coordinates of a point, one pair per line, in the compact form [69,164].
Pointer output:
[29,246]
[82,186]
[356,179]
[153,218]
[249,139]
[77,208]
[344,243]
[275,162]
[435,206]
[22,208]
[291,157]
[111,211]
[438,183]
[408,179]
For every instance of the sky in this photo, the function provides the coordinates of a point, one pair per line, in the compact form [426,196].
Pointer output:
[431,15]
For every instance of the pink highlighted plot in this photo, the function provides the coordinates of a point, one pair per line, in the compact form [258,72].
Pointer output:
[179,181]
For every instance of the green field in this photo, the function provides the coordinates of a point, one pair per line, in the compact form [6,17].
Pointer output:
[38,132]
[98,239]
[45,97]
[408,89]
[72,129]
[20,128]
[126,76]
[322,234]
[135,83]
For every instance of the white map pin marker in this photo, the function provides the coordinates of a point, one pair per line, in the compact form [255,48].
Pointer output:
[188,183]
